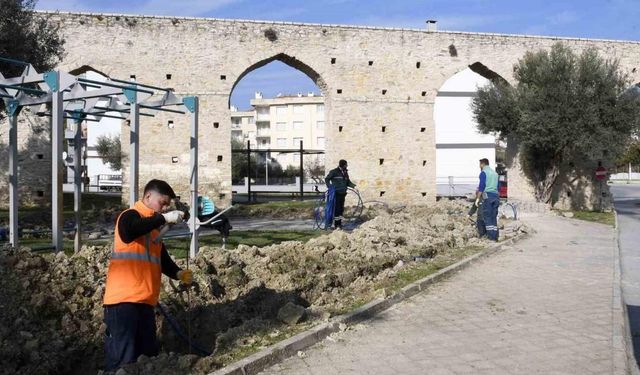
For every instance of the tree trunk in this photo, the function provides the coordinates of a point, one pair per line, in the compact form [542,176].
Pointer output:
[545,183]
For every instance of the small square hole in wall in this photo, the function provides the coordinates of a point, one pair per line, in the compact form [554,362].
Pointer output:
[174,159]
[424,193]
[216,125]
[381,193]
[333,60]
[339,91]
[384,91]
[40,193]
[168,76]
[132,76]
[422,130]
[381,161]
[219,157]
[418,65]
[424,93]
[384,128]
[370,62]
[170,124]
[222,196]
[340,128]
[40,156]
[223,77]
[424,162]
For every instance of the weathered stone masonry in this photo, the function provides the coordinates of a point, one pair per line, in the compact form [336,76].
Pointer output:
[206,57]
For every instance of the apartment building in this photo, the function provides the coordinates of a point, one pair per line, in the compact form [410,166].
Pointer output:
[281,123]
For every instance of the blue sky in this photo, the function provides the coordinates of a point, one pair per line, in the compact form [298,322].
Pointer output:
[608,19]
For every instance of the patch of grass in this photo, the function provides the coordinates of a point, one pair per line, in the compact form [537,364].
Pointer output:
[262,340]
[179,247]
[419,270]
[607,218]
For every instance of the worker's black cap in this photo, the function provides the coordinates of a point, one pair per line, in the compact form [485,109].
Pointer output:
[342,163]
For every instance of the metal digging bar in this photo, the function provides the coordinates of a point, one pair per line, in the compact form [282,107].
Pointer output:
[69,99]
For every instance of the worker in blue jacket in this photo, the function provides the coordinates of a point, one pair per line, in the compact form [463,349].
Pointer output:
[339,179]
[487,193]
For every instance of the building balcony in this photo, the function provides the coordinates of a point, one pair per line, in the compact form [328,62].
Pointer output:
[264,133]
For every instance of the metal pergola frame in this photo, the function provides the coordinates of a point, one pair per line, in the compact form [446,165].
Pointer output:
[69,98]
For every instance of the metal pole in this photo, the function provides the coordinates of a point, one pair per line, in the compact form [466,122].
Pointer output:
[14,110]
[629,177]
[266,168]
[192,105]
[249,171]
[134,151]
[57,165]
[301,174]
[77,181]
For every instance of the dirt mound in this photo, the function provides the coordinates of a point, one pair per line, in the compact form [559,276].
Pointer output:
[51,316]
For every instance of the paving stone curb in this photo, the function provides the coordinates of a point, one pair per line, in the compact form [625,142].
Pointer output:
[280,351]
[622,339]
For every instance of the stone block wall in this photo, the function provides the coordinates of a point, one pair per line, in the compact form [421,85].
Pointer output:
[370,77]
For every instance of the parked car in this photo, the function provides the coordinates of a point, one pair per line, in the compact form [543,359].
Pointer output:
[502,185]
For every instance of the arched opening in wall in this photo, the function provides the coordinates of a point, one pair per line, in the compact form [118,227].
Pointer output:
[278,120]
[101,148]
[459,144]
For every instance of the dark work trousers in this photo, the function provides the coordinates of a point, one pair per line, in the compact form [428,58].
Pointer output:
[339,210]
[490,213]
[131,331]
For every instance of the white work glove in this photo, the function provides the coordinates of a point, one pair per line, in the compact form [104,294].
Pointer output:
[173,217]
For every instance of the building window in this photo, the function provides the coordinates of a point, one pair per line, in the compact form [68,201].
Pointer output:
[295,157]
[320,108]
[252,135]
[320,142]
[251,120]
[296,142]
[297,109]
[282,142]
[236,120]
[320,125]
[297,125]
[281,110]
[281,126]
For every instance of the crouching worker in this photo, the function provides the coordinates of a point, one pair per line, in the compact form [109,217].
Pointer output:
[487,194]
[339,179]
[207,210]
[133,279]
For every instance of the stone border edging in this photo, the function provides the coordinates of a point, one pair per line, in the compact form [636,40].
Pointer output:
[621,335]
[284,349]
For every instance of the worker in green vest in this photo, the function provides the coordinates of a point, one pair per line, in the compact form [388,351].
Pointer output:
[487,193]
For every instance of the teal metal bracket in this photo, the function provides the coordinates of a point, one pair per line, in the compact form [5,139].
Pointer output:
[78,115]
[51,79]
[13,108]
[131,94]
[190,103]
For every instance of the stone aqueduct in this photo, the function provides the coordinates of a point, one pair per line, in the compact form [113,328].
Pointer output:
[371,77]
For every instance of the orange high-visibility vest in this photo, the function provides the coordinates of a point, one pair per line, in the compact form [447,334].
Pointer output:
[135,268]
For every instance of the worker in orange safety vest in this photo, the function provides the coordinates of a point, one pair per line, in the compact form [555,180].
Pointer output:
[134,276]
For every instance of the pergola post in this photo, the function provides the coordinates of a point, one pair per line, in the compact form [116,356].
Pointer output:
[192,105]
[134,145]
[13,109]
[77,179]
[52,79]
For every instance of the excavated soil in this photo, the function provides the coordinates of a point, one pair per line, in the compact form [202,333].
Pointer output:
[51,312]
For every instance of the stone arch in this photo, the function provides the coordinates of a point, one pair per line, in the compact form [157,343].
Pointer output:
[459,145]
[319,81]
[290,61]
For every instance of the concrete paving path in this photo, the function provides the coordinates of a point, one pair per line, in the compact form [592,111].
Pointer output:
[545,306]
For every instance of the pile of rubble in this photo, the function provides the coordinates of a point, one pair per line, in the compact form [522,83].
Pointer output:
[51,313]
